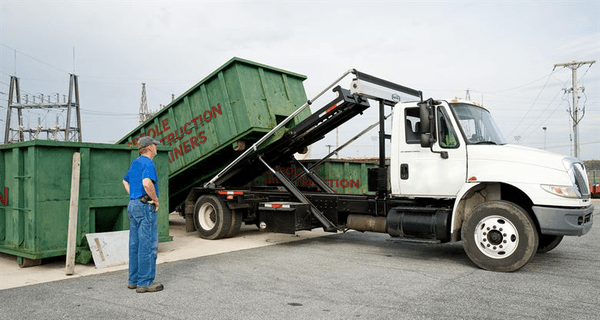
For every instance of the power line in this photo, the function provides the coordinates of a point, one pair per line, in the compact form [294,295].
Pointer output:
[33,58]
[569,145]
[518,87]
[103,113]
[531,107]
[539,115]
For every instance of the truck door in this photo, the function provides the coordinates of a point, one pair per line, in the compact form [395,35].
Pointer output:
[424,172]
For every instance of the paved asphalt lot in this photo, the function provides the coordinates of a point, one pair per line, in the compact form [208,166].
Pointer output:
[344,276]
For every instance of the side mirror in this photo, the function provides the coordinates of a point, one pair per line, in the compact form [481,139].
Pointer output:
[426,140]
[426,115]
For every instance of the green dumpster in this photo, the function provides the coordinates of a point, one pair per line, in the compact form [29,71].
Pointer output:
[35,193]
[209,125]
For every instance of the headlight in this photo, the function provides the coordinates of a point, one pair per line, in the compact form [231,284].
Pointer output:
[563,191]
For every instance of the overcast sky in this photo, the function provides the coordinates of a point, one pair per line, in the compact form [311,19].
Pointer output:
[503,52]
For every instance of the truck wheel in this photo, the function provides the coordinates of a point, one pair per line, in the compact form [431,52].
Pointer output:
[212,217]
[548,242]
[236,223]
[499,236]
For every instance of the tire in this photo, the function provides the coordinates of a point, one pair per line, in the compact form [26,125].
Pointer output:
[548,242]
[212,217]
[236,223]
[499,236]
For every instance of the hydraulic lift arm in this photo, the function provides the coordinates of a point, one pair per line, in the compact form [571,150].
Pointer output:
[344,107]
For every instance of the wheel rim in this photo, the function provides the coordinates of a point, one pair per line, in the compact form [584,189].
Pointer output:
[497,237]
[207,216]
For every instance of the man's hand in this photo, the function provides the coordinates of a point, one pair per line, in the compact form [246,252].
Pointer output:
[154,203]
[149,188]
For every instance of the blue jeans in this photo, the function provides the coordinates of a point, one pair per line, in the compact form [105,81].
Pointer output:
[143,243]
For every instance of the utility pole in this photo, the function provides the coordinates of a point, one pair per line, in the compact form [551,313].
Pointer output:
[575,91]
[544,137]
[337,140]
[329,148]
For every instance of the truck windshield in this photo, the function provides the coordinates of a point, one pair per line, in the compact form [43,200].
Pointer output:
[477,124]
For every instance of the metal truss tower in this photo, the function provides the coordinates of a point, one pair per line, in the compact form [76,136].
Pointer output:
[70,133]
[144,112]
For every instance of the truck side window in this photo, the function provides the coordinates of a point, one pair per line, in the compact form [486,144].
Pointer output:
[447,135]
[412,126]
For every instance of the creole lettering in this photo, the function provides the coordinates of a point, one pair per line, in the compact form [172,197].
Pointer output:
[185,138]
[4,198]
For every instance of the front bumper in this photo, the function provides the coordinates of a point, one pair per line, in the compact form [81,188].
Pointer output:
[563,221]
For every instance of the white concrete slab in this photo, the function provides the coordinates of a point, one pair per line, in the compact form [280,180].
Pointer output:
[184,246]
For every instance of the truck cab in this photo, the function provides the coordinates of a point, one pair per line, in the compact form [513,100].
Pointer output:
[454,150]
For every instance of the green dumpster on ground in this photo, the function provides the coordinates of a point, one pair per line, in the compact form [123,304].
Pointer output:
[35,193]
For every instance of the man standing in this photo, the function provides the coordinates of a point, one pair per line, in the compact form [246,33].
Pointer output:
[141,182]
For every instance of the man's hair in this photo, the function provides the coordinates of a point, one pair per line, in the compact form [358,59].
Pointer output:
[144,150]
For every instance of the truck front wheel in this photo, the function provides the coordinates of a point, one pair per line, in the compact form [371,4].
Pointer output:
[499,236]
[548,242]
[212,217]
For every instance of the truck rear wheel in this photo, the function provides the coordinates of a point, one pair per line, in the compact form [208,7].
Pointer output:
[499,236]
[212,217]
[236,223]
[548,242]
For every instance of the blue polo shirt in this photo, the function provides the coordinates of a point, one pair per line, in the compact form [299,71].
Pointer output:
[142,167]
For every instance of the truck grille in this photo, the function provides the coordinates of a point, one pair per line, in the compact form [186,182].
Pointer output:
[581,181]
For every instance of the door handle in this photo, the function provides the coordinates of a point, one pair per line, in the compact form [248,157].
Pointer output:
[404,171]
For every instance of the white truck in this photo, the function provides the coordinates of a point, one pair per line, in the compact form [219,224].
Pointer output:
[451,177]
